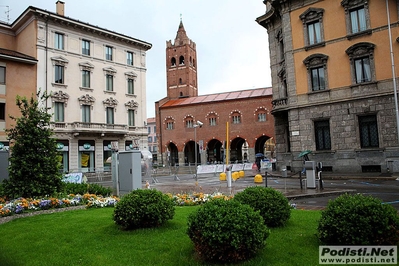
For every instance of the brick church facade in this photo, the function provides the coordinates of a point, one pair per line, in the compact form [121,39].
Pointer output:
[244,116]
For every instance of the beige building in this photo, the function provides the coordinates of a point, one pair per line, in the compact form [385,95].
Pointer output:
[152,138]
[96,78]
[332,79]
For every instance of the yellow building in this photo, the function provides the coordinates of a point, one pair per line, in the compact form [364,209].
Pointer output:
[332,79]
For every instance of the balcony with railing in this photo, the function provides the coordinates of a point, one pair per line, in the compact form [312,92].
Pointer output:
[280,103]
[75,127]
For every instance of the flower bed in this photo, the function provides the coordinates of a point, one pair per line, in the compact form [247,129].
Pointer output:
[196,198]
[23,205]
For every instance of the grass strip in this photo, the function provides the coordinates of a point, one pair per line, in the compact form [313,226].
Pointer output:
[90,237]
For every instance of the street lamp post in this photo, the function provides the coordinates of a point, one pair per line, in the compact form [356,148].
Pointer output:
[197,124]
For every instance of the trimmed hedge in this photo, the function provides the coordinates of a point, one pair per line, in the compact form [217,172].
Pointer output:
[226,231]
[272,204]
[358,220]
[143,208]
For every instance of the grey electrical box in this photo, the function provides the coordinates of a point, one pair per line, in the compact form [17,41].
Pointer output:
[310,167]
[3,165]
[129,171]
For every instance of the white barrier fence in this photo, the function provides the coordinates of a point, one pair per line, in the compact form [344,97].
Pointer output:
[219,168]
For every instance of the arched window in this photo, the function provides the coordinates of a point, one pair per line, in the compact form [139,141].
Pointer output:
[189,121]
[173,61]
[169,123]
[235,117]
[181,60]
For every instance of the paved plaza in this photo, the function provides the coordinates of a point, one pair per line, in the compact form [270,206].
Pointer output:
[384,187]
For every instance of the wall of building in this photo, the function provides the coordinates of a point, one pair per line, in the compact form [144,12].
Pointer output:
[343,102]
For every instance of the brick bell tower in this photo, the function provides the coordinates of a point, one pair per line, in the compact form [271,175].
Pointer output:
[181,66]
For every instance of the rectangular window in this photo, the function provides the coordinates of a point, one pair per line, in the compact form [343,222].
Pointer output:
[169,125]
[59,41]
[129,58]
[362,70]
[2,111]
[2,75]
[358,20]
[236,119]
[155,139]
[131,118]
[212,121]
[262,117]
[59,112]
[155,149]
[322,135]
[110,115]
[155,129]
[318,80]
[86,79]
[59,74]
[149,130]
[109,83]
[368,131]
[86,113]
[314,33]
[85,47]
[130,86]
[149,139]
[189,123]
[108,53]
[281,49]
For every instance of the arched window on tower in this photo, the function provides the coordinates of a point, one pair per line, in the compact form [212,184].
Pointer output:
[181,60]
[191,61]
[180,81]
[173,61]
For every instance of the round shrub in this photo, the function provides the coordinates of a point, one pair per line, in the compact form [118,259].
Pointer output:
[143,208]
[271,204]
[358,220]
[226,231]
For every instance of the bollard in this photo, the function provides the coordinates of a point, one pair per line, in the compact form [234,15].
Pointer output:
[241,174]
[265,179]
[235,176]
[222,176]
[258,178]
[300,179]
[321,181]
[228,178]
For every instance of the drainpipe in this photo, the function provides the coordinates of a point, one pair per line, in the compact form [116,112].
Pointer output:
[46,48]
[393,72]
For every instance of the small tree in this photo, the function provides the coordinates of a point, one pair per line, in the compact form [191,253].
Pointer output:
[34,168]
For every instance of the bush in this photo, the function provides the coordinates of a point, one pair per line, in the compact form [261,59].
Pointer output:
[72,188]
[358,220]
[226,231]
[271,204]
[143,208]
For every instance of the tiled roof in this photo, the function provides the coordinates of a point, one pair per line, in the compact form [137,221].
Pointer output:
[16,54]
[224,96]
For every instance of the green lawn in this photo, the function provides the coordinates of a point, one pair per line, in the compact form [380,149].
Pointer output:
[90,237]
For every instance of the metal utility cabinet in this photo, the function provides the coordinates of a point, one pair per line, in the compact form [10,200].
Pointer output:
[310,167]
[129,171]
[3,165]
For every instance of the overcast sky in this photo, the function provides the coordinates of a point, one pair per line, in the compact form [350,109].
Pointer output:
[232,49]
